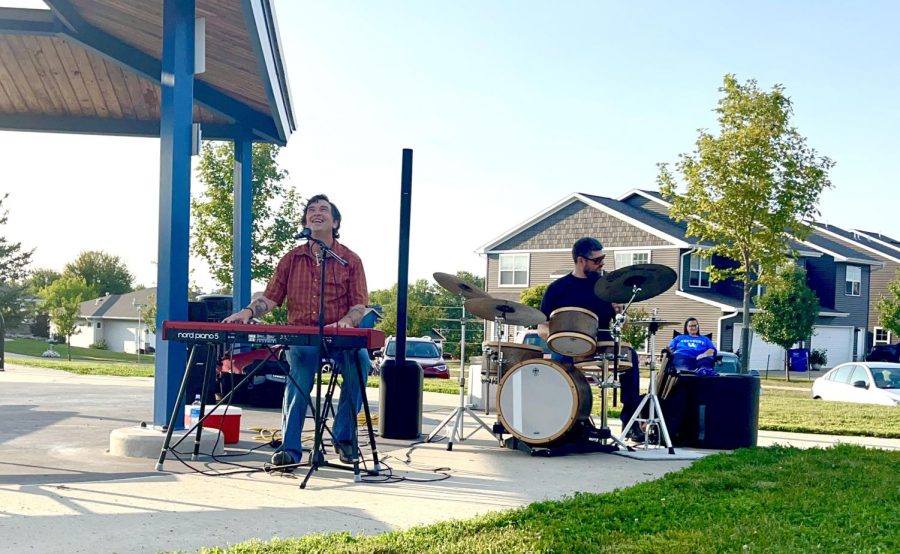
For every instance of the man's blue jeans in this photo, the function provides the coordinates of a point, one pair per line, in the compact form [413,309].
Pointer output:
[303,372]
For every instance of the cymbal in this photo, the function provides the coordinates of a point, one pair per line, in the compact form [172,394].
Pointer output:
[457,286]
[513,313]
[651,279]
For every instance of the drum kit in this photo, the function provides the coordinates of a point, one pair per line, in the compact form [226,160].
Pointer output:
[544,404]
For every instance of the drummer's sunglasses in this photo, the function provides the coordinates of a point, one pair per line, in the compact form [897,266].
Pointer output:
[596,260]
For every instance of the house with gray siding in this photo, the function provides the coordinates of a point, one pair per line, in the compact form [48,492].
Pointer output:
[635,228]
[881,248]
[114,319]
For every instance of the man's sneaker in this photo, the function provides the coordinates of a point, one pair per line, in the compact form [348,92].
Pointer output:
[283,462]
[347,452]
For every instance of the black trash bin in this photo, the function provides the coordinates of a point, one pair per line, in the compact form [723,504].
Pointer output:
[400,400]
[721,412]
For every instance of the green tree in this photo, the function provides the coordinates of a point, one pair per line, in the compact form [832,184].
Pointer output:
[13,270]
[889,307]
[633,334]
[103,273]
[40,279]
[63,300]
[13,259]
[276,211]
[788,309]
[749,189]
[533,296]
[148,314]
[451,306]
[422,312]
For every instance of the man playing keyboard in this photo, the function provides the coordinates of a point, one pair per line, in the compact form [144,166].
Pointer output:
[297,281]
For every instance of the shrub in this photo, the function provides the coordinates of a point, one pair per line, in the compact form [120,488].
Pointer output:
[818,357]
[100,345]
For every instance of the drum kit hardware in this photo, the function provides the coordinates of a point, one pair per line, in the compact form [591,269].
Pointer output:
[545,405]
[464,290]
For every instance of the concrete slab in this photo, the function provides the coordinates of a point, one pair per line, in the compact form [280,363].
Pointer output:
[54,463]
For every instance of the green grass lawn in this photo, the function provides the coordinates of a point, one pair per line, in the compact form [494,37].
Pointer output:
[841,499]
[796,411]
[88,368]
[34,347]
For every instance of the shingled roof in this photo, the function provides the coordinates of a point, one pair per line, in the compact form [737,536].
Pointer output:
[116,306]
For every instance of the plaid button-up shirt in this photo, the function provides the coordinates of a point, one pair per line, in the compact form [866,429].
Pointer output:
[297,279]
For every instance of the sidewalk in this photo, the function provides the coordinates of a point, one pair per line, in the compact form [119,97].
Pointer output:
[53,464]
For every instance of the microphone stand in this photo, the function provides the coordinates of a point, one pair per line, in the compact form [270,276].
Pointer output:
[317,459]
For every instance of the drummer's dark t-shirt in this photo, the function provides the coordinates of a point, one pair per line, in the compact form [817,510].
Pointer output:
[571,291]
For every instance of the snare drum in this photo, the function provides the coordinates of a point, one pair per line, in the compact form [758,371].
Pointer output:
[604,355]
[541,401]
[573,331]
[512,352]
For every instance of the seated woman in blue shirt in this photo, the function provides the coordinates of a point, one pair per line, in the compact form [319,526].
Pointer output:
[692,351]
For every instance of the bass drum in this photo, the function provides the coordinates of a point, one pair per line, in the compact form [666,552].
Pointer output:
[541,401]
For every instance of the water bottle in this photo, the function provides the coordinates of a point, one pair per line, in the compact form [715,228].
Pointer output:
[195,411]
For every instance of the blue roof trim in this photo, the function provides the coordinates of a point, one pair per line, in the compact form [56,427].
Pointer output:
[149,67]
[103,126]
[24,21]
[264,40]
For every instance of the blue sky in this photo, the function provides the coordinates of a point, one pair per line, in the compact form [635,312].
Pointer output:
[509,106]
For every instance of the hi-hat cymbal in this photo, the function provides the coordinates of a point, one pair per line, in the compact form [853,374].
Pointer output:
[511,312]
[618,286]
[457,286]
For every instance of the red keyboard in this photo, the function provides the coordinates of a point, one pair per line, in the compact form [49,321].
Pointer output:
[192,332]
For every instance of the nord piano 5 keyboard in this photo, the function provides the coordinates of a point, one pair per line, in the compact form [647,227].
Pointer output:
[194,332]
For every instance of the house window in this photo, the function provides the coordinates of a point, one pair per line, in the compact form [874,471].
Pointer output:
[882,336]
[699,271]
[513,270]
[98,325]
[631,257]
[854,278]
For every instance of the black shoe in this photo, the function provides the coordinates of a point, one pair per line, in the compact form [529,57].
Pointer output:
[636,435]
[283,462]
[347,452]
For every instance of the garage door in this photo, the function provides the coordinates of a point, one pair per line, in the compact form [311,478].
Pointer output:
[762,353]
[837,341]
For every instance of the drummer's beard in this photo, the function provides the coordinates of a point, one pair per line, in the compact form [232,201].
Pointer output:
[596,272]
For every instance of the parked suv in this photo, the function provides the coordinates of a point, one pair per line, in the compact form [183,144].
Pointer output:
[884,353]
[421,350]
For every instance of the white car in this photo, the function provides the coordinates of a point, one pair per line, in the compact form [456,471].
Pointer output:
[862,382]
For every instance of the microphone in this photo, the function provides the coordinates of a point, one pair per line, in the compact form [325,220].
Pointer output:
[304,234]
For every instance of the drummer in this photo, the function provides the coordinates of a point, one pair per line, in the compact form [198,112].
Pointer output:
[576,289]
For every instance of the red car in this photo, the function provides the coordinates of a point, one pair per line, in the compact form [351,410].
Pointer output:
[421,350]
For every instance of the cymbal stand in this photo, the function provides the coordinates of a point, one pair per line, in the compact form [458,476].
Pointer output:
[462,409]
[655,416]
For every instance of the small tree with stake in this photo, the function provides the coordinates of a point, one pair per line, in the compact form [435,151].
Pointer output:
[789,310]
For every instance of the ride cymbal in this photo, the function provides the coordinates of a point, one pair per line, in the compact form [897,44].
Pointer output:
[513,313]
[618,286]
[454,284]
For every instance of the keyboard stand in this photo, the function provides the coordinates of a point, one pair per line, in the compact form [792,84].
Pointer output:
[180,398]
